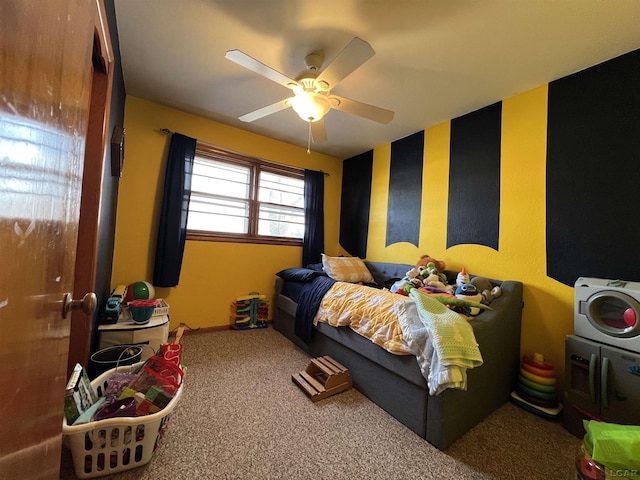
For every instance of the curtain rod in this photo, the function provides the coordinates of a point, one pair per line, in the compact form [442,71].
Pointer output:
[166,131]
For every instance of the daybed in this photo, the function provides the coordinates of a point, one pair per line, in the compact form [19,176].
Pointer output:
[396,383]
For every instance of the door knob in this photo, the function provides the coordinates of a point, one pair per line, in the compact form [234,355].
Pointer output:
[87,304]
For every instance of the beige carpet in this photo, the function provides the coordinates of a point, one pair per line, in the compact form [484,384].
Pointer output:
[241,417]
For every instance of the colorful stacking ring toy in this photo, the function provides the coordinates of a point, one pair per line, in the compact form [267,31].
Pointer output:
[541,372]
[537,360]
[536,386]
[537,378]
[547,396]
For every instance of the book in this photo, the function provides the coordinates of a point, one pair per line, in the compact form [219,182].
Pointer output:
[79,394]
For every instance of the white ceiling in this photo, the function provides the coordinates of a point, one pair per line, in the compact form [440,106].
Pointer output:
[435,59]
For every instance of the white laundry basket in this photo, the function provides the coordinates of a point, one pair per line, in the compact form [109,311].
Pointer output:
[115,444]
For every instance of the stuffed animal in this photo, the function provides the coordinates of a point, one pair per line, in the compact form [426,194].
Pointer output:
[414,272]
[469,292]
[412,279]
[399,286]
[431,269]
[462,277]
[457,304]
[486,288]
[426,259]
[419,277]
[427,272]
[434,280]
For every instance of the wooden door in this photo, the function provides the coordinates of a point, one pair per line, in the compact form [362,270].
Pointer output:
[45,83]
[94,158]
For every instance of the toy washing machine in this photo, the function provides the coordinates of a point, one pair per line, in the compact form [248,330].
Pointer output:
[602,359]
[608,311]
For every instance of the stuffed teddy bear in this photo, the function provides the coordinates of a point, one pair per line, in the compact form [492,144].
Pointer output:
[426,259]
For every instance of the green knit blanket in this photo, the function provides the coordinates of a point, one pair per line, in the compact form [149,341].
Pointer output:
[454,345]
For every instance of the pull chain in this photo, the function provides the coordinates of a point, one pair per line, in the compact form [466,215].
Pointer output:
[309,141]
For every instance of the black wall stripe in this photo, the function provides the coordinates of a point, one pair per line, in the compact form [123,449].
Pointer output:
[474,178]
[357,174]
[405,190]
[593,173]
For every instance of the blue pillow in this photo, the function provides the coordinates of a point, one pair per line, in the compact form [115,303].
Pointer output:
[316,266]
[298,274]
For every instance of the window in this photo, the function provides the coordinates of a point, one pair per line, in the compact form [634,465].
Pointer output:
[243,199]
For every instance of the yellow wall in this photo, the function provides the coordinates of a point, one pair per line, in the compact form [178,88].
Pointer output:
[548,313]
[213,274]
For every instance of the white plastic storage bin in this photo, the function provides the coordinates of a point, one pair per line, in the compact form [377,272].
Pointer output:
[115,444]
[127,332]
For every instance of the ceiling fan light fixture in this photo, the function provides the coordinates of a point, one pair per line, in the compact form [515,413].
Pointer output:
[310,106]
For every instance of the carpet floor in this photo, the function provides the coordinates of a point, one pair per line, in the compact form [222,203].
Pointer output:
[241,417]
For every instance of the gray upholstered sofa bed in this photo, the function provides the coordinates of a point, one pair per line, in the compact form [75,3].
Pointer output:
[395,383]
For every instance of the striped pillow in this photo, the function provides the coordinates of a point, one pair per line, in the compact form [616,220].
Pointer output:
[347,269]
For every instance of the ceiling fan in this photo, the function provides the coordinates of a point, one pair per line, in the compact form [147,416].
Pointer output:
[312,97]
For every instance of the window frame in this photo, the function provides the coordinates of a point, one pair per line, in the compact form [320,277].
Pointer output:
[255,165]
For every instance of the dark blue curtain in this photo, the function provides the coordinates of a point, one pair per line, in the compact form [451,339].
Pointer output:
[313,242]
[172,231]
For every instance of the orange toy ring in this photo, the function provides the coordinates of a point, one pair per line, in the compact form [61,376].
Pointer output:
[537,379]
[541,372]
[529,360]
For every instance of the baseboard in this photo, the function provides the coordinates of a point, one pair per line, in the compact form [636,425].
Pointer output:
[218,328]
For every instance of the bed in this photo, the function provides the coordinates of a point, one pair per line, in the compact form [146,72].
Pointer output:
[396,382]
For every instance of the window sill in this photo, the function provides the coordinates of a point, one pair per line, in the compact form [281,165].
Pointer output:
[216,237]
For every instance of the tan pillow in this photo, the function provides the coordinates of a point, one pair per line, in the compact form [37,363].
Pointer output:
[346,269]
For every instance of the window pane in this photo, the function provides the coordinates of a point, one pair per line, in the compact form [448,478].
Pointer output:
[245,199]
[281,221]
[220,178]
[274,188]
[212,213]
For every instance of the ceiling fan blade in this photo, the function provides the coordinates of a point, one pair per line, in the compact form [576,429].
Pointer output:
[260,68]
[377,114]
[351,57]
[264,111]
[318,131]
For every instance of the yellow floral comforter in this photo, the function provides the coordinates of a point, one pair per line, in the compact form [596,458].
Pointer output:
[373,313]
